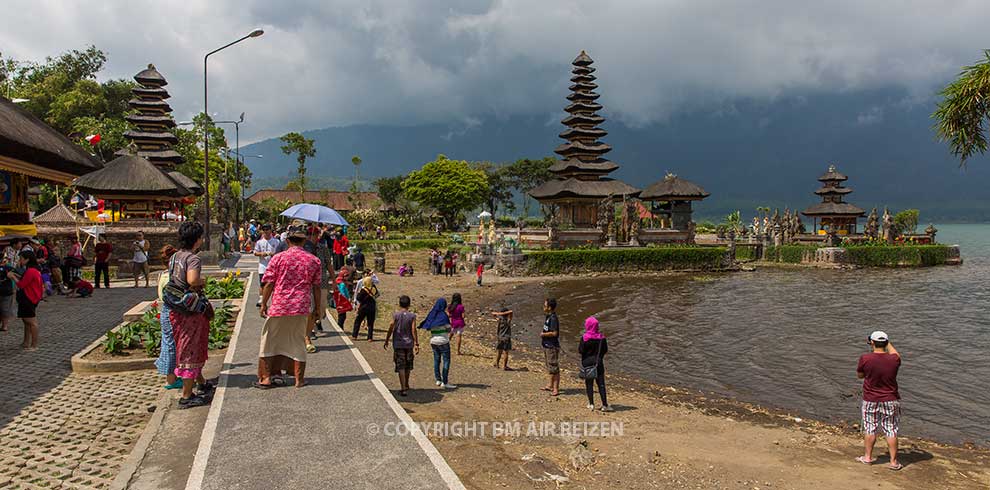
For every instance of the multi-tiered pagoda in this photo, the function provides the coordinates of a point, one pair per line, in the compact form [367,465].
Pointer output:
[580,182]
[833,214]
[142,181]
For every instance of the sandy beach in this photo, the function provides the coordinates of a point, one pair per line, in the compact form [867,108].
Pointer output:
[661,436]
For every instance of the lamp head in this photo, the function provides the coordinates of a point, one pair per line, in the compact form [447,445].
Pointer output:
[256,33]
[241,118]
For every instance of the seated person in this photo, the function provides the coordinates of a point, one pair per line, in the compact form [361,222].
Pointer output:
[80,288]
[405,270]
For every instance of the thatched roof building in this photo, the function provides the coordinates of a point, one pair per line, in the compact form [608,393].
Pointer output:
[58,215]
[30,147]
[673,188]
[833,213]
[580,181]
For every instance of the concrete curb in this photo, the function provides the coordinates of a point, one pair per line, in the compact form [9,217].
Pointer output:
[136,457]
[86,366]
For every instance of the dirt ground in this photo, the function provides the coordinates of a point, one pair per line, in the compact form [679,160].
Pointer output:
[662,437]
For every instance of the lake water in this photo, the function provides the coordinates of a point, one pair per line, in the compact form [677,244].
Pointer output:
[791,338]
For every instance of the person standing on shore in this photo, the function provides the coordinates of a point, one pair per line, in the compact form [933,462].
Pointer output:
[405,343]
[881,400]
[503,335]
[480,272]
[593,348]
[456,313]
[264,250]
[102,263]
[550,338]
[140,260]
[438,323]
[292,282]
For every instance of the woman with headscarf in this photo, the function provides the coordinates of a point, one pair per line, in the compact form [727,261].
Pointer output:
[438,323]
[341,296]
[367,305]
[593,348]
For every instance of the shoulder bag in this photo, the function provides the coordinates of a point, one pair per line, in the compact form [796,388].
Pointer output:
[181,298]
[591,372]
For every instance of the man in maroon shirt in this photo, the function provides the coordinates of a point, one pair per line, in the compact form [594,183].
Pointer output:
[102,263]
[881,401]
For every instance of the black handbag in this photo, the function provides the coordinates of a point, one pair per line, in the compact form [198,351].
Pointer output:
[591,372]
[181,299]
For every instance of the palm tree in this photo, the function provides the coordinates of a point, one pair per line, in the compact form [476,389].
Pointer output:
[356,160]
[962,115]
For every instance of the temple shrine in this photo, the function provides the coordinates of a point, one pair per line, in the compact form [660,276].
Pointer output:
[580,184]
[142,183]
[833,214]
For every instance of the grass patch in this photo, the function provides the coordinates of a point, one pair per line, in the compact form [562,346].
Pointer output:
[637,259]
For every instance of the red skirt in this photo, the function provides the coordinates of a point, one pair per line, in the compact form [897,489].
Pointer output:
[192,339]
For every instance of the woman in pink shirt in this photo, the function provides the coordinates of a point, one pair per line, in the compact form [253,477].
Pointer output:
[30,290]
[456,313]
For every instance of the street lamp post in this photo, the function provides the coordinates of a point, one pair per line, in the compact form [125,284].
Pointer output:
[206,134]
[240,161]
[237,139]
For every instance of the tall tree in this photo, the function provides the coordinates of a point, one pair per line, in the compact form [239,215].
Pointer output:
[962,114]
[303,148]
[449,186]
[499,187]
[390,189]
[527,174]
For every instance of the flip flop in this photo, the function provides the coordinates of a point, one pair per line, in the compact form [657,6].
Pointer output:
[310,348]
[545,389]
[895,468]
[555,394]
[262,386]
[862,459]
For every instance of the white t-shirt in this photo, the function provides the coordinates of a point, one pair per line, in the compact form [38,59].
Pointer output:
[140,256]
[265,246]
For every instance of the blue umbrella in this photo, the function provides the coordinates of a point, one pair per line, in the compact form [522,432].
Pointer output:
[315,213]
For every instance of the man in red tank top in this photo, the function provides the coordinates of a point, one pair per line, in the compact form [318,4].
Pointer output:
[881,400]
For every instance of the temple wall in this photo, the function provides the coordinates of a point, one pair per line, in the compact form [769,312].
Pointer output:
[120,235]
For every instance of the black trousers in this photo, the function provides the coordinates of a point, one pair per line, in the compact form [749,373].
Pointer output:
[589,387]
[365,312]
[101,268]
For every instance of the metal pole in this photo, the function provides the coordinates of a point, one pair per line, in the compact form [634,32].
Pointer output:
[206,156]
[237,162]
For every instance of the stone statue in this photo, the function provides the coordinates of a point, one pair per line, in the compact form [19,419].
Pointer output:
[775,228]
[692,228]
[765,229]
[634,233]
[931,231]
[888,226]
[756,225]
[552,232]
[785,226]
[606,212]
[611,234]
[872,225]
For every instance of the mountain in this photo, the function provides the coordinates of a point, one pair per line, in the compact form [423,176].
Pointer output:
[746,153]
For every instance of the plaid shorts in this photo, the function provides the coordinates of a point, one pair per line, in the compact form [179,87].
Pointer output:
[882,416]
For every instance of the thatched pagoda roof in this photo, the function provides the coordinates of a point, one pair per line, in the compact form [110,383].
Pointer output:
[57,215]
[582,59]
[834,209]
[25,138]
[558,189]
[184,181]
[573,164]
[150,77]
[824,191]
[832,175]
[130,175]
[673,188]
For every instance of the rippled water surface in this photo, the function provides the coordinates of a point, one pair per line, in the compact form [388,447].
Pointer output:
[791,338]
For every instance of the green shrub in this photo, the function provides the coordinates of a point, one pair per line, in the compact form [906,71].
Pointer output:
[789,254]
[651,259]
[897,255]
[146,332]
[402,245]
[229,287]
[746,253]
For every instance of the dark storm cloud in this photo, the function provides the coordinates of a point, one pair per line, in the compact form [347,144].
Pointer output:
[403,62]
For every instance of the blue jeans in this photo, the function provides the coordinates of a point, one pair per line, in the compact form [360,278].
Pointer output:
[441,352]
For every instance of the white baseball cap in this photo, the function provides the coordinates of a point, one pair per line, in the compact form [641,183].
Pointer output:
[878,336]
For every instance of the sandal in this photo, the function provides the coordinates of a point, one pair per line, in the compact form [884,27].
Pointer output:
[545,389]
[261,386]
[278,381]
[555,393]
[174,385]
[862,459]
[896,467]
[310,348]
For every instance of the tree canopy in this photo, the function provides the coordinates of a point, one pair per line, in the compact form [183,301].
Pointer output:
[304,148]
[962,114]
[449,186]
[390,189]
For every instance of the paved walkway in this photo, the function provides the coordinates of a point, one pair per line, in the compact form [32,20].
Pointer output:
[329,434]
[57,429]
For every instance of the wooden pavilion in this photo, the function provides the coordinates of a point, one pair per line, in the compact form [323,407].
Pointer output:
[580,183]
[31,152]
[671,200]
[833,214]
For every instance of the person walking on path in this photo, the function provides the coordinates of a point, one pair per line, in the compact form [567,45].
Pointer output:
[438,323]
[318,248]
[342,296]
[550,338]
[102,263]
[480,272]
[367,306]
[405,342]
[340,245]
[30,290]
[140,260]
[190,320]
[503,335]
[292,283]
[456,313]
[165,364]
[593,347]
[264,250]
[881,400]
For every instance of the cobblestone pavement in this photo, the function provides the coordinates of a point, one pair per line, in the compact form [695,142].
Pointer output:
[60,430]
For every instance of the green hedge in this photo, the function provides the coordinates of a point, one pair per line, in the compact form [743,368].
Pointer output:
[401,245]
[746,253]
[651,259]
[897,255]
[789,254]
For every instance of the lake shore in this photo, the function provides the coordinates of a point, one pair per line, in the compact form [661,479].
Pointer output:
[671,437]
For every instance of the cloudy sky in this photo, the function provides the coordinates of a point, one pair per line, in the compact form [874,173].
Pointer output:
[335,63]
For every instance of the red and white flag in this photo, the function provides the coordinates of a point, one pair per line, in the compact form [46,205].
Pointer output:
[93,139]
